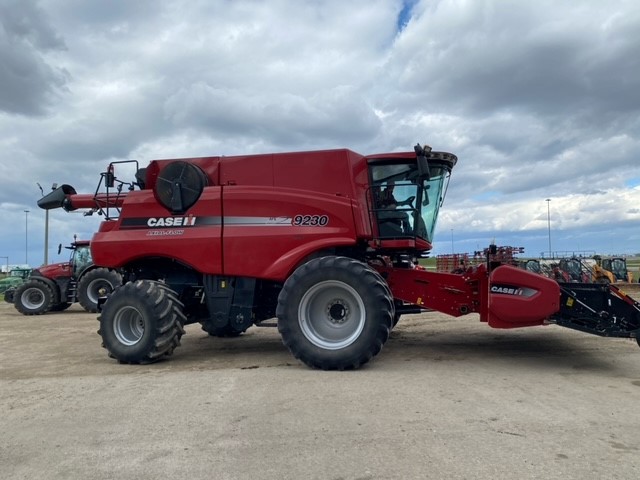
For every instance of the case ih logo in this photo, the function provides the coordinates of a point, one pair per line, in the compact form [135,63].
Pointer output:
[511,290]
[189,221]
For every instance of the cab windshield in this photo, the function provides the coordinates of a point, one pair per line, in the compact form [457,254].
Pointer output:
[406,205]
[619,268]
[80,258]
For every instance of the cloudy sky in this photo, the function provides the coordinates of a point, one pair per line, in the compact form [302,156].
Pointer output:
[538,100]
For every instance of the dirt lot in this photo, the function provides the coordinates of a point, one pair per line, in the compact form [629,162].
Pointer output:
[447,398]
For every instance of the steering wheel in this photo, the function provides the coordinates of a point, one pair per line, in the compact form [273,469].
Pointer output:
[408,201]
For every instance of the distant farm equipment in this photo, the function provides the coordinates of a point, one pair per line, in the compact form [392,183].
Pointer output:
[459,262]
[15,278]
[55,287]
[562,266]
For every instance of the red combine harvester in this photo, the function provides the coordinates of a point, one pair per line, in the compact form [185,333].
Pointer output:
[326,241]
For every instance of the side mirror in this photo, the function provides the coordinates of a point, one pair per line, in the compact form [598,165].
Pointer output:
[422,161]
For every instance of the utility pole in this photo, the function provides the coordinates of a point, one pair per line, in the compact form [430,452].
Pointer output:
[548,200]
[26,237]
[452,249]
[46,226]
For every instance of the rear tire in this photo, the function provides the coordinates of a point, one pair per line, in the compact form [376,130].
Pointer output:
[94,284]
[33,298]
[334,313]
[141,322]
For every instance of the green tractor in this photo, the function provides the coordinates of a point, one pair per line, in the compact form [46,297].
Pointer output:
[15,278]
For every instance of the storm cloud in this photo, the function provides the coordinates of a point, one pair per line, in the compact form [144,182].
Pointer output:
[538,99]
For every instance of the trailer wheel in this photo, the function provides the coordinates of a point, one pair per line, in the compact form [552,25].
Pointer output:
[94,284]
[141,322]
[33,298]
[334,313]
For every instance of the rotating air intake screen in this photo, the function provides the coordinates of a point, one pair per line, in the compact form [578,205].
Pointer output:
[179,186]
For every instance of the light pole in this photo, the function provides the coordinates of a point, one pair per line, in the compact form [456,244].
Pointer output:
[26,237]
[452,250]
[548,200]
[46,226]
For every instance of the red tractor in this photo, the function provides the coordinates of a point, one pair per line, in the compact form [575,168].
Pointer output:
[326,241]
[55,287]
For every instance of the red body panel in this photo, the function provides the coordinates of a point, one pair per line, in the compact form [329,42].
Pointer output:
[56,270]
[258,244]
[131,237]
[534,298]
[507,298]
[448,293]
[252,202]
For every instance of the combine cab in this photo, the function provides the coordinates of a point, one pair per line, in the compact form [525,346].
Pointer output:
[326,242]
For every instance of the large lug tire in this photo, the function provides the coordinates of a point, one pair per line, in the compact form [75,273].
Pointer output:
[335,313]
[33,298]
[141,322]
[396,316]
[94,284]
[9,294]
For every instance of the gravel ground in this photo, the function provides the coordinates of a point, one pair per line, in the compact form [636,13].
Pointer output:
[446,398]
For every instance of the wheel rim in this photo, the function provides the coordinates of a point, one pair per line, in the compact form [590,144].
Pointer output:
[331,315]
[128,326]
[97,288]
[32,298]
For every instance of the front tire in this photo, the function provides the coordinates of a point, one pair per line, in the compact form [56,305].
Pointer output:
[141,322]
[335,313]
[33,298]
[94,284]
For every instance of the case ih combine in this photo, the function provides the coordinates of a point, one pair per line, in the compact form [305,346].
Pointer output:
[325,241]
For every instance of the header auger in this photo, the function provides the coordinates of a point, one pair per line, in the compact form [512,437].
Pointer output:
[325,241]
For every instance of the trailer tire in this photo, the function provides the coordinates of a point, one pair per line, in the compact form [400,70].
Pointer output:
[141,322]
[95,284]
[334,313]
[33,298]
